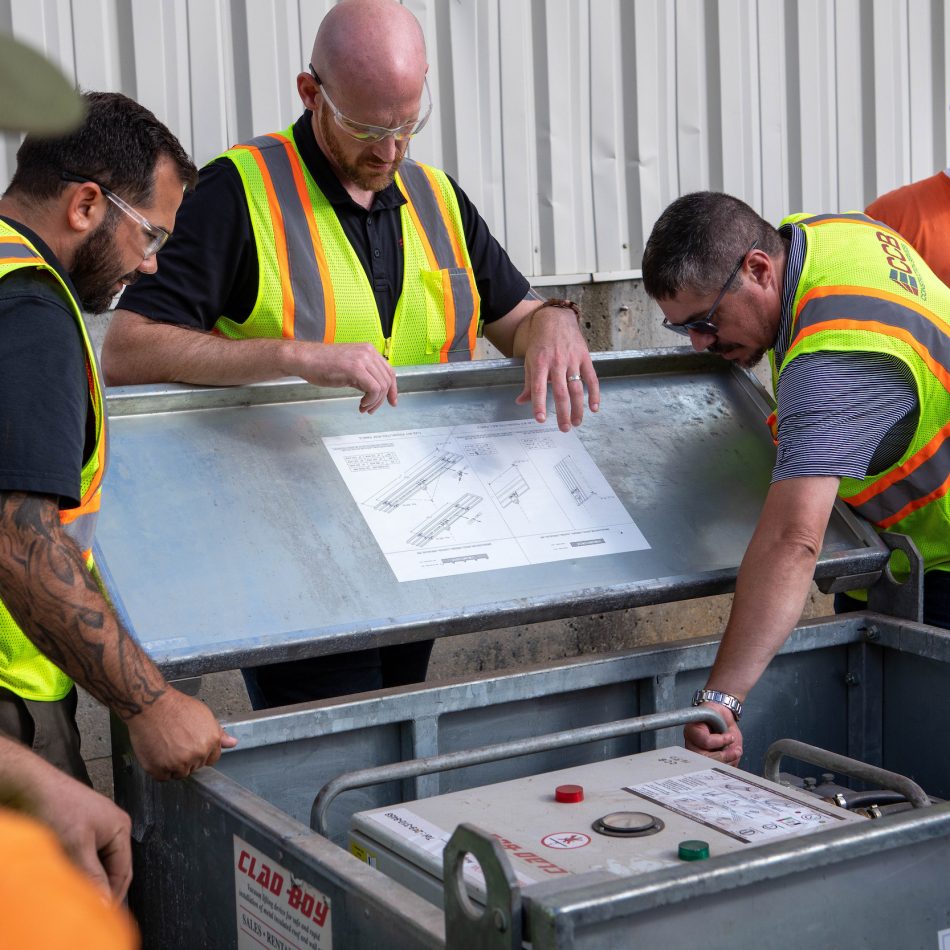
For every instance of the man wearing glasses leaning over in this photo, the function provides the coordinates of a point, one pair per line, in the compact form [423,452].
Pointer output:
[858,331]
[323,252]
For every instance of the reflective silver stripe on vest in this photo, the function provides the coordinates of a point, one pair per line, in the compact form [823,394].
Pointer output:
[846,216]
[419,191]
[465,305]
[16,249]
[926,478]
[310,317]
[871,309]
[83,530]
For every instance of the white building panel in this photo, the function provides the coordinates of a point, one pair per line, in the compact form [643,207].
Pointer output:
[570,123]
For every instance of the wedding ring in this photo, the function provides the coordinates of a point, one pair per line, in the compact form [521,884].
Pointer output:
[574,378]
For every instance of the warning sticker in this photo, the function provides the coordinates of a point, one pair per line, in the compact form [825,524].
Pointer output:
[566,840]
[364,854]
[734,806]
[275,909]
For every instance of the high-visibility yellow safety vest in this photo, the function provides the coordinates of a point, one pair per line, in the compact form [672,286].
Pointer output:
[864,288]
[311,283]
[23,669]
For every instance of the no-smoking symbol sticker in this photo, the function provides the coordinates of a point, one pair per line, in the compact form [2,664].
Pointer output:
[566,840]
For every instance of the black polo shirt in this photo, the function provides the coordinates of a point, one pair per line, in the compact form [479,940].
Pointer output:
[45,418]
[209,269]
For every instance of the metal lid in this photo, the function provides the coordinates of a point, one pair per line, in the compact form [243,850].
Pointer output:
[282,516]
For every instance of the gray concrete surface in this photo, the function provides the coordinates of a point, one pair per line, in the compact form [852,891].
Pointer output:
[616,316]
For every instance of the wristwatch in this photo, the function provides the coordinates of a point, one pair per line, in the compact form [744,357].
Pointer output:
[715,696]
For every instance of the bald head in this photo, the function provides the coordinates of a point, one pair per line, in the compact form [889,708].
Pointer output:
[377,44]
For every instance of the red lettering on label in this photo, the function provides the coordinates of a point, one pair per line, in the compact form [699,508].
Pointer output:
[900,263]
[308,905]
[886,239]
[267,878]
[529,857]
[506,844]
[294,897]
[319,914]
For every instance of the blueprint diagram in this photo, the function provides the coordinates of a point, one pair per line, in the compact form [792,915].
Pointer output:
[457,499]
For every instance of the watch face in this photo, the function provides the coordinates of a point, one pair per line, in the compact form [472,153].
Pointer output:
[723,699]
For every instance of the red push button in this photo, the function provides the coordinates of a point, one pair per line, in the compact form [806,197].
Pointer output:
[569,793]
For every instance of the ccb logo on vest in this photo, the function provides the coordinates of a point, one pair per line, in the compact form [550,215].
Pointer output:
[905,281]
[900,266]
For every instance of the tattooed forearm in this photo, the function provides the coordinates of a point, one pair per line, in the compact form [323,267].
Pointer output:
[45,585]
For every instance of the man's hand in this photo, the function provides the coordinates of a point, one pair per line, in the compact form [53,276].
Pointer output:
[726,747]
[177,735]
[357,365]
[139,350]
[93,831]
[557,354]
[554,352]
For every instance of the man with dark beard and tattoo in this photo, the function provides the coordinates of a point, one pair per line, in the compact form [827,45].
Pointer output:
[322,251]
[84,215]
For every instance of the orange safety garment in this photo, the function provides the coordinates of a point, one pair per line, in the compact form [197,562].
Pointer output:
[49,903]
[920,212]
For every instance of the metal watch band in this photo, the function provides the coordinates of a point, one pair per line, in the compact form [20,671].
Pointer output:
[716,696]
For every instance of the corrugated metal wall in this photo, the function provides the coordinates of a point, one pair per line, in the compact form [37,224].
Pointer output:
[570,123]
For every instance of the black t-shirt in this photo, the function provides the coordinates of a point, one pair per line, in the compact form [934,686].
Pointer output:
[45,413]
[208,268]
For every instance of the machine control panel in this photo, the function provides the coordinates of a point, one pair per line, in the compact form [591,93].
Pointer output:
[627,816]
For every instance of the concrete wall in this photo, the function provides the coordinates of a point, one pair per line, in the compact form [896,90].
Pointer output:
[617,316]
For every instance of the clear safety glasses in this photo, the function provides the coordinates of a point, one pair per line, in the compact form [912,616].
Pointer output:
[156,236]
[363,132]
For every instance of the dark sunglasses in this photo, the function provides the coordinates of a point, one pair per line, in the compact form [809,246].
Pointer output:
[706,325]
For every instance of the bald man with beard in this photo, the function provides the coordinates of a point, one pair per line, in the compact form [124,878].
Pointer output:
[324,252]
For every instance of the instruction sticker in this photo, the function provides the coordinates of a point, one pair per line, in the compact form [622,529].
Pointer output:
[429,838]
[274,908]
[943,940]
[741,809]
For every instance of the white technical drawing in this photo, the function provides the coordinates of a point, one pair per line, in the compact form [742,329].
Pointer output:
[451,500]
[443,519]
[465,558]
[574,482]
[418,478]
[509,486]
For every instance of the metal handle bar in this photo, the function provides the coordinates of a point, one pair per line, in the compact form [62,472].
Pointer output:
[841,763]
[504,750]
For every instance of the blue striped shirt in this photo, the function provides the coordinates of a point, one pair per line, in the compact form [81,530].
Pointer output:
[839,414]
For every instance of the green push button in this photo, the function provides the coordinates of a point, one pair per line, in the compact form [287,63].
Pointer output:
[694,850]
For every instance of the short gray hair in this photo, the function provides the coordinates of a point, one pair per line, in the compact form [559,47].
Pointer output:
[697,241]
